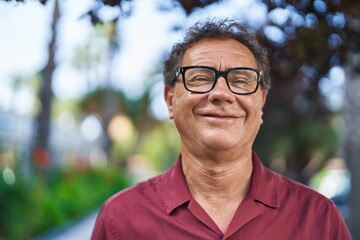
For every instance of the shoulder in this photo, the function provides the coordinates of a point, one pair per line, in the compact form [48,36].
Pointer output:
[125,209]
[313,207]
[140,193]
[275,189]
[301,195]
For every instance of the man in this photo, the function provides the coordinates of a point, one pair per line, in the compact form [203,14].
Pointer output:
[216,83]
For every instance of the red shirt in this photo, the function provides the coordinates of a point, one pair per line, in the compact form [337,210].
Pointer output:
[274,208]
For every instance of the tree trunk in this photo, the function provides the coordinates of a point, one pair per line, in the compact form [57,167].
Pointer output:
[41,148]
[351,121]
[351,144]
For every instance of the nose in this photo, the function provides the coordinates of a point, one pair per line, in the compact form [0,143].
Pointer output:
[221,92]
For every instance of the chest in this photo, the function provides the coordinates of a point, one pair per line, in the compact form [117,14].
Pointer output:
[189,223]
[221,214]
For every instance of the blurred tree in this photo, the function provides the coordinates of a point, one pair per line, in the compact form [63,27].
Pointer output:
[135,109]
[330,36]
[300,58]
[41,148]
[103,99]
[96,54]
[109,107]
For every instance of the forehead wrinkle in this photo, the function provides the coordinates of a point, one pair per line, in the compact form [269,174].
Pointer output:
[199,51]
[198,55]
[219,54]
[201,60]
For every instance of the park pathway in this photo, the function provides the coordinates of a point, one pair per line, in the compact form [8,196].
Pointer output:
[80,230]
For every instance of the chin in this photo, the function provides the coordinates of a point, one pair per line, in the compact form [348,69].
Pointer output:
[220,145]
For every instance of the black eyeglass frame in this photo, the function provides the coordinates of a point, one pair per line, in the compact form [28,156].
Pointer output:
[181,71]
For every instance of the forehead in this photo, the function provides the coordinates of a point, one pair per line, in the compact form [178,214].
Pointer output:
[220,53]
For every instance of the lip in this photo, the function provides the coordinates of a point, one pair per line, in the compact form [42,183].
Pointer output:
[218,117]
[218,114]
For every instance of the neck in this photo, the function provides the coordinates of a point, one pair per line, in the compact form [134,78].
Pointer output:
[218,178]
[218,185]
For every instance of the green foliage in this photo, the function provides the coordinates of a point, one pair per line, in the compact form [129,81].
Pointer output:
[298,143]
[32,206]
[161,146]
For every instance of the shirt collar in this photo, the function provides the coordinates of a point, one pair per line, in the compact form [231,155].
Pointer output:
[174,187]
[264,184]
[263,187]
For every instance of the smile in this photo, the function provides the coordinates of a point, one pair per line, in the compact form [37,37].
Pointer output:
[218,118]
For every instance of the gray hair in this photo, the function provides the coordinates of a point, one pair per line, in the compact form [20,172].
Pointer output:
[216,29]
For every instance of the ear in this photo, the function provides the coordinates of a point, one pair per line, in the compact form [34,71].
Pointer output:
[263,100]
[263,97]
[169,97]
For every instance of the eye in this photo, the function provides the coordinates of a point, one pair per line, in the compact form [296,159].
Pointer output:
[240,81]
[242,77]
[202,78]
[199,76]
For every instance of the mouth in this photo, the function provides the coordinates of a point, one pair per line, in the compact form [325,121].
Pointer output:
[218,116]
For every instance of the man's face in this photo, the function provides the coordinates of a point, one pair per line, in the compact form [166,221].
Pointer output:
[218,120]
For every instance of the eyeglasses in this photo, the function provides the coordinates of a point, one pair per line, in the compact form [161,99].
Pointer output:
[202,79]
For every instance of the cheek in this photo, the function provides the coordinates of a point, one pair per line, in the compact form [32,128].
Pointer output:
[179,105]
[183,100]
[173,99]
